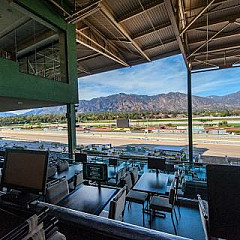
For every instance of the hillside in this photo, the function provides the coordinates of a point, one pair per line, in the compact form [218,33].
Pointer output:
[173,101]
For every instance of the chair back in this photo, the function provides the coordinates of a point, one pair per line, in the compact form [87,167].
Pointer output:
[57,192]
[113,162]
[128,181]
[203,210]
[62,165]
[123,171]
[78,179]
[118,177]
[172,193]
[80,157]
[117,205]
[169,167]
[177,178]
[134,175]
[52,169]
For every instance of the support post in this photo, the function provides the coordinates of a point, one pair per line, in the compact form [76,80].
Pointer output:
[71,122]
[190,136]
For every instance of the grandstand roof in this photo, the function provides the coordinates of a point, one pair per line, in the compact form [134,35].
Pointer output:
[111,34]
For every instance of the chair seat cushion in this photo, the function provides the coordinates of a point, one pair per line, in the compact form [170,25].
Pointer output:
[62,166]
[137,197]
[112,181]
[180,192]
[161,204]
[170,178]
[57,236]
[205,205]
[104,214]
[51,171]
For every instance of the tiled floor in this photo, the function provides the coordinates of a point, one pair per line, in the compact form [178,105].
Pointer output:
[189,224]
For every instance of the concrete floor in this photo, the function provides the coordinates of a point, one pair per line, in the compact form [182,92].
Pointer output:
[189,226]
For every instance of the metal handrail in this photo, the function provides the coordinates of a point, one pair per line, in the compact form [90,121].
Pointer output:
[7,55]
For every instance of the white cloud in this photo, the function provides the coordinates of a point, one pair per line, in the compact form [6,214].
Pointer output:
[161,76]
[18,112]
[220,82]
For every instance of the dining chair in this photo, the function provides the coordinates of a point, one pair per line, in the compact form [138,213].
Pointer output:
[134,196]
[164,204]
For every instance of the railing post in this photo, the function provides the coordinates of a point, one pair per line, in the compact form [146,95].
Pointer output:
[190,135]
[71,122]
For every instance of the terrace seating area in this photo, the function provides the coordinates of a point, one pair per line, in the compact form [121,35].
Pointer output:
[99,191]
[139,192]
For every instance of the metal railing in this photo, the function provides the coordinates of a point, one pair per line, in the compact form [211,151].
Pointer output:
[7,55]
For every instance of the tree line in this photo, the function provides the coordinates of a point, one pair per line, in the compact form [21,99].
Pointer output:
[108,116]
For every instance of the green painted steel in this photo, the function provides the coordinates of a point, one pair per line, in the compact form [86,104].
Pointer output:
[24,86]
[72,138]
[20,85]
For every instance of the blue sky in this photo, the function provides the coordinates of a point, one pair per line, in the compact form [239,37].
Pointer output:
[161,76]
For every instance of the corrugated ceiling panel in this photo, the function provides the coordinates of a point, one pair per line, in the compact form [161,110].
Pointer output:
[83,51]
[143,22]
[99,21]
[162,49]
[160,37]
[122,7]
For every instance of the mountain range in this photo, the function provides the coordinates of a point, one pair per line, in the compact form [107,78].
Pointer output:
[172,101]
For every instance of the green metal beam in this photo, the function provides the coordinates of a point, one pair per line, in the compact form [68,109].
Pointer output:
[71,121]
[14,84]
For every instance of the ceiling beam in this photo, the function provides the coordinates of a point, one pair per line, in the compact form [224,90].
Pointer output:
[115,49]
[201,6]
[151,30]
[157,45]
[19,23]
[83,10]
[120,41]
[118,26]
[60,7]
[218,56]
[218,49]
[237,23]
[218,10]
[216,21]
[42,39]
[197,17]
[98,43]
[206,62]
[181,14]
[85,58]
[137,11]
[83,69]
[209,40]
[171,15]
[84,13]
[167,54]
[220,36]
[33,16]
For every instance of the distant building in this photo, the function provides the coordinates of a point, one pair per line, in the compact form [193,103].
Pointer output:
[198,129]
[123,123]
[216,131]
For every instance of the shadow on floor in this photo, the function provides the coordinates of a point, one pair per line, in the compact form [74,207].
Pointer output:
[189,226]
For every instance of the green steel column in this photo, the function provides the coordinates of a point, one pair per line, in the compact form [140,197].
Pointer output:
[190,135]
[71,121]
